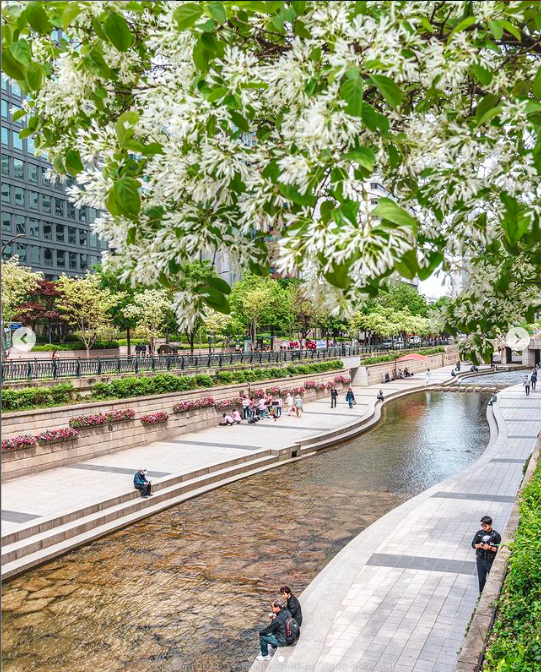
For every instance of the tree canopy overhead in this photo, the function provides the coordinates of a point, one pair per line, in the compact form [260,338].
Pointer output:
[206,126]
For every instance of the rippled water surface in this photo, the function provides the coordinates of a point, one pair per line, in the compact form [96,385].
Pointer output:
[186,589]
[500,378]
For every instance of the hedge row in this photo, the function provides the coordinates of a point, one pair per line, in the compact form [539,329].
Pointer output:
[31,397]
[516,637]
[164,383]
[75,345]
[396,355]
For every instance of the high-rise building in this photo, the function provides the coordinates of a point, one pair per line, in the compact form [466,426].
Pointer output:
[39,224]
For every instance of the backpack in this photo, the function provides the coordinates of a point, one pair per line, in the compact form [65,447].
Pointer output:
[292,631]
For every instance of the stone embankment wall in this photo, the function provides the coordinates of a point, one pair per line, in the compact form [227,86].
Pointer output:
[96,441]
[371,374]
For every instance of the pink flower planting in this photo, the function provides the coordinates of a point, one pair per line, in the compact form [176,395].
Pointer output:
[346,380]
[258,393]
[299,390]
[310,384]
[193,404]
[154,418]
[18,442]
[321,386]
[274,389]
[102,418]
[57,435]
[224,404]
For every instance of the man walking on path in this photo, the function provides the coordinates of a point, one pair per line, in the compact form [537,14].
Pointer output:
[275,633]
[141,483]
[334,397]
[533,379]
[526,383]
[486,543]
[350,397]
[427,376]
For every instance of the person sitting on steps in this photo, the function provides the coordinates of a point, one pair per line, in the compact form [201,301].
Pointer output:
[141,483]
[380,396]
[274,634]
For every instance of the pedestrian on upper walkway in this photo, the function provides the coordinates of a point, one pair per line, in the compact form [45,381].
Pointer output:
[245,407]
[526,383]
[533,379]
[298,405]
[350,397]
[334,397]
[141,483]
[486,543]
[274,634]
[290,404]
[458,365]
[428,374]
[293,605]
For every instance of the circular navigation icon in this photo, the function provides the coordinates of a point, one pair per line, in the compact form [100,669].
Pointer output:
[517,338]
[24,339]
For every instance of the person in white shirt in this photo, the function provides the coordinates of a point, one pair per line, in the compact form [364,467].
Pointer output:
[227,420]
[236,417]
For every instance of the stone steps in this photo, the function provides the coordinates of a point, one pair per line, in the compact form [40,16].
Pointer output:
[43,545]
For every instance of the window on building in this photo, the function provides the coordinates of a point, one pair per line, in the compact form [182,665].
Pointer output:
[30,146]
[71,211]
[93,239]
[59,207]
[5,136]
[33,200]
[72,256]
[83,261]
[93,261]
[72,236]
[34,255]
[4,82]
[47,256]
[6,252]
[32,173]
[47,231]
[21,251]
[15,89]
[5,165]
[6,223]
[19,197]
[6,193]
[20,224]
[18,169]
[5,109]
[59,233]
[17,142]
[82,214]
[82,238]
[45,181]
[61,258]
[46,204]
[33,227]
[103,243]
[92,213]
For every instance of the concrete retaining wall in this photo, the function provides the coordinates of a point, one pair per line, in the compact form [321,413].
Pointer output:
[372,373]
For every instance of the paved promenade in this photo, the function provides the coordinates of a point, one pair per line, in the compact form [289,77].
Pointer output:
[398,597]
[57,491]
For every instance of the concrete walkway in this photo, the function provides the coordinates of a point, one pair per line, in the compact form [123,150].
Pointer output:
[399,597]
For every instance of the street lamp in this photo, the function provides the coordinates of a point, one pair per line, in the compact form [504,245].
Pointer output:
[19,235]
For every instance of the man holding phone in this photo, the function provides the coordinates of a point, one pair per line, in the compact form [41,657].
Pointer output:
[486,543]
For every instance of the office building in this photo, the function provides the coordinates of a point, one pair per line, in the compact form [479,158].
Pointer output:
[39,224]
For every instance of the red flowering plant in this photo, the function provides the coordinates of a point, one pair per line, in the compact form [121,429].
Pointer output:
[299,390]
[102,418]
[346,380]
[310,384]
[57,435]
[18,442]
[321,386]
[274,389]
[193,404]
[120,415]
[224,404]
[154,418]
[258,393]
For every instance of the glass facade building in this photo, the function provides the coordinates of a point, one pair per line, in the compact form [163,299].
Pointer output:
[49,233]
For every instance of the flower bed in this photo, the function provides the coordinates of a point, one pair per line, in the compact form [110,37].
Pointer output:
[224,404]
[57,435]
[18,442]
[102,418]
[257,394]
[345,380]
[154,418]
[273,390]
[310,384]
[193,404]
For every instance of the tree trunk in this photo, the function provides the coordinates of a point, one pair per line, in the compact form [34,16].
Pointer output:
[128,341]
[191,338]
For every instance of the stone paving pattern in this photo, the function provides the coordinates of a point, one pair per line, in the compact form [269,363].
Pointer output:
[399,596]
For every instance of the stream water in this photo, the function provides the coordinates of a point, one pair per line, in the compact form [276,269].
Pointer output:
[185,590]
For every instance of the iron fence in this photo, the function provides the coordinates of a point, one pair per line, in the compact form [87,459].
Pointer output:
[42,369]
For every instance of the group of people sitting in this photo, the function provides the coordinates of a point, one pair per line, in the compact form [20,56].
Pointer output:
[399,374]
[284,628]
[269,406]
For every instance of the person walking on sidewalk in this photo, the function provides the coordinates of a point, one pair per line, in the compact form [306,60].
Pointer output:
[141,483]
[298,405]
[526,383]
[290,404]
[350,397]
[275,633]
[334,397]
[533,379]
[427,376]
[486,543]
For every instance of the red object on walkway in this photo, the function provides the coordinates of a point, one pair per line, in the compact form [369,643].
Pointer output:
[412,355]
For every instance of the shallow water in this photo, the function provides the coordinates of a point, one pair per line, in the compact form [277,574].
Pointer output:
[499,379]
[186,589]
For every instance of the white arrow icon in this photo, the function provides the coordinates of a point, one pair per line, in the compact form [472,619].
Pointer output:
[517,338]
[24,339]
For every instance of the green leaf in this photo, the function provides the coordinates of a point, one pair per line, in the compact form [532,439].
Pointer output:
[489,102]
[536,87]
[99,29]
[374,120]
[388,209]
[34,76]
[352,92]
[292,193]
[516,227]
[128,118]
[11,66]
[388,89]
[20,50]
[219,285]
[117,32]
[496,29]
[239,121]
[134,146]
[262,269]
[186,15]
[131,238]
[482,75]
[434,260]
[25,133]
[73,162]
[127,196]
[96,65]
[339,275]
[71,12]
[19,114]
[365,157]
[408,266]
[215,300]
[201,56]
[58,164]
[153,148]
[218,12]
[510,28]
[37,18]
[465,23]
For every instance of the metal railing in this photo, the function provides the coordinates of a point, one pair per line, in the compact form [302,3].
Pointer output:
[41,369]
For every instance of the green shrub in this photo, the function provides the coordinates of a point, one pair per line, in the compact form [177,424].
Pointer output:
[226,377]
[75,345]
[32,397]
[516,638]
[134,341]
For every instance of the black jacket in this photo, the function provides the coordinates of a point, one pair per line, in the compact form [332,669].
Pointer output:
[491,538]
[294,607]
[277,627]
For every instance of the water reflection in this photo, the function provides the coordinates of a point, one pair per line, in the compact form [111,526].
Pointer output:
[186,589]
